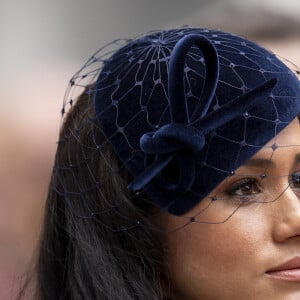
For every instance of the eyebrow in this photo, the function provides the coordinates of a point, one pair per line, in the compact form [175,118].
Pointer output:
[261,162]
[264,162]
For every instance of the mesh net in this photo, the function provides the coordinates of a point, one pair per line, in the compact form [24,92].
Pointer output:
[84,143]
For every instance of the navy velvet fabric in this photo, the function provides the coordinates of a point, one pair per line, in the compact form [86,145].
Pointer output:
[184,108]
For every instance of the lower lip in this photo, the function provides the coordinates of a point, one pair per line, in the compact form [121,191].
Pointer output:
[288,275]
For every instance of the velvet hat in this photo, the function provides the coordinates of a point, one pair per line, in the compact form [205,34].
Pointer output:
[184,108]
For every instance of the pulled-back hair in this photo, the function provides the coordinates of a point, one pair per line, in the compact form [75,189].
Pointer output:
[82,257]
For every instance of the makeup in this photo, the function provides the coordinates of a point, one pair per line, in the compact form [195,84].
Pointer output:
[289,271]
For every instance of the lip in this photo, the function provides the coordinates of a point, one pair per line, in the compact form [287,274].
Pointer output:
[289,271]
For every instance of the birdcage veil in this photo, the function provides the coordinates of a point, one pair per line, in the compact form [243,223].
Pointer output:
[172,114]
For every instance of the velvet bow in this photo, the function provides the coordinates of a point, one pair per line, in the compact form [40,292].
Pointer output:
[182,140]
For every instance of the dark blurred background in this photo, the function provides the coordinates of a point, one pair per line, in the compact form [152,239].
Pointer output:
[43,43]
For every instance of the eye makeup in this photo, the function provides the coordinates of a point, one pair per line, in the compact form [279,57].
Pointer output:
[244,187]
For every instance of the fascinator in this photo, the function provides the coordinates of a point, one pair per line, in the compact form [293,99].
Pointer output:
[184,108]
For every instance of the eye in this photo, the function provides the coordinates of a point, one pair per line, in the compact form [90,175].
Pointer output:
[245,187]
[295,180]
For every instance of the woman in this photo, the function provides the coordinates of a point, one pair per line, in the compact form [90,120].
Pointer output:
[177,174]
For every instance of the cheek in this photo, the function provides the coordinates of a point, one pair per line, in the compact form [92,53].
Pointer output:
[205,259]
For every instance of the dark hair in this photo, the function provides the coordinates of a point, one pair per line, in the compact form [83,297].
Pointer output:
[82,257]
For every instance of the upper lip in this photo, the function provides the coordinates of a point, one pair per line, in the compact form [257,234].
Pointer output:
[293,263]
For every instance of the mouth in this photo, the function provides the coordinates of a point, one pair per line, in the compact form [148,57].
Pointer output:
[289,271]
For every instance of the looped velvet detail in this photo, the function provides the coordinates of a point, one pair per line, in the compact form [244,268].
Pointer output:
[172,137]
[179,142]
[165,144]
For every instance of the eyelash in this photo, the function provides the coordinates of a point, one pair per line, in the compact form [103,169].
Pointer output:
[294,180]
[252,183]
[247,184]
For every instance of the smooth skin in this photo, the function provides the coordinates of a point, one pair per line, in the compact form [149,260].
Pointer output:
[230,260]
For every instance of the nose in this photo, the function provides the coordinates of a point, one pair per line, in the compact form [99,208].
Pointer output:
[287,217]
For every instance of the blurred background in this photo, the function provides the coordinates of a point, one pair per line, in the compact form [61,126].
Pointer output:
[43,43]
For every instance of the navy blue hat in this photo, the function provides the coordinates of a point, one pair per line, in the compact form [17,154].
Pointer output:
[184,108]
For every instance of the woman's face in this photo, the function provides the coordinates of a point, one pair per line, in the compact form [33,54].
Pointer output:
[232,260]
